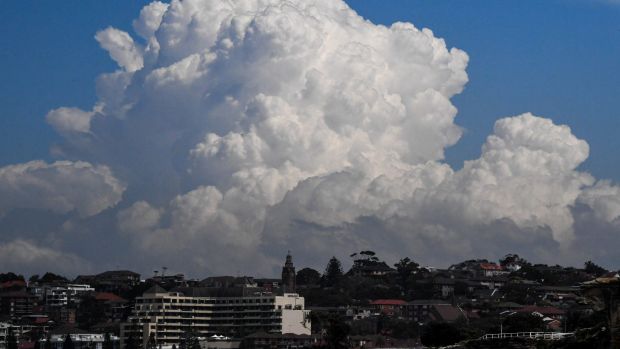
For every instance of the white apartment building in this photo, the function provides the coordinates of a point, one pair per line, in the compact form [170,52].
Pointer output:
[82,341]
[60,296]
[170,315]
[4,333]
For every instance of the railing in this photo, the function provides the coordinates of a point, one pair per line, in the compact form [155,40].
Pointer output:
[534,335]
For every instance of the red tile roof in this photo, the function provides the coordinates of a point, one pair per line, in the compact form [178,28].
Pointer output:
[108,297]
[388,302]
[12,283]
[490,266]
[26,345]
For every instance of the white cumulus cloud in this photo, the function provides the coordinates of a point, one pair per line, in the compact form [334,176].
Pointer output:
[246,128]
[24,256]
[121,48]
[69,120]
[61,187]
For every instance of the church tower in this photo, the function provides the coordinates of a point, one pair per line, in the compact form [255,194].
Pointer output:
[288,275]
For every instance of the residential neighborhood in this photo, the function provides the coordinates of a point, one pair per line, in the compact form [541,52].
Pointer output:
[372,305]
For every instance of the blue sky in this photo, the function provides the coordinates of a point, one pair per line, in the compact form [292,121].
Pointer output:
[559,59]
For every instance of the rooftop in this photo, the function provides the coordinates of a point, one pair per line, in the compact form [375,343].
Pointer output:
[388,302]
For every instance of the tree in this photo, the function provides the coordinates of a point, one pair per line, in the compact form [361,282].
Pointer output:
[512,259]
[438,334]
[10,277]
[403,329]
[195,344]
[48,342]
[131,342]
[333,272]
[308,276]
[337,333]
[107,341]
[151,344]
[49,278]
[523,322]
[368,254]
[189,340]
[11,339]
[90,312]
[594,269]
[68,343]
[405,268]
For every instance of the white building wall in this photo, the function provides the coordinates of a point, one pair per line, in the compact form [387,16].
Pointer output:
[295,319]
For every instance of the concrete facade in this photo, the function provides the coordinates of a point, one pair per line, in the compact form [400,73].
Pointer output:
[170,315]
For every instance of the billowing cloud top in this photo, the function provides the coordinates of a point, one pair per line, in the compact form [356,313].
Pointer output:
[242,129]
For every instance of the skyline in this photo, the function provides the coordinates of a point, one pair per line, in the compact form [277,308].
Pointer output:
[201,140]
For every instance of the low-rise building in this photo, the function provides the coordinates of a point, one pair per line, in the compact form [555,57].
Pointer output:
[262,340]
[390,307]
[420,310]
[491,269]
[82,340]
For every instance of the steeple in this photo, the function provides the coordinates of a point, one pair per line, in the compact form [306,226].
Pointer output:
[288,275]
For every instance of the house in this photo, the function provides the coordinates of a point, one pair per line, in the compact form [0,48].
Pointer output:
[491,282]
[546,311]
[114,306]
[390,307]
[490,270]
[269,285]
[444,287]
[117,280]
[13,284]
[228,281]
[446,313]
[370,268]
[419,310]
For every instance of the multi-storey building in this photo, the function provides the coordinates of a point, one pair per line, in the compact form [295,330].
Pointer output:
[17,303]
[4,333]
[61,296]
[168,316]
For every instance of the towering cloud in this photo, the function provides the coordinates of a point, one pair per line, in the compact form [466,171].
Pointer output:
[244,128]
